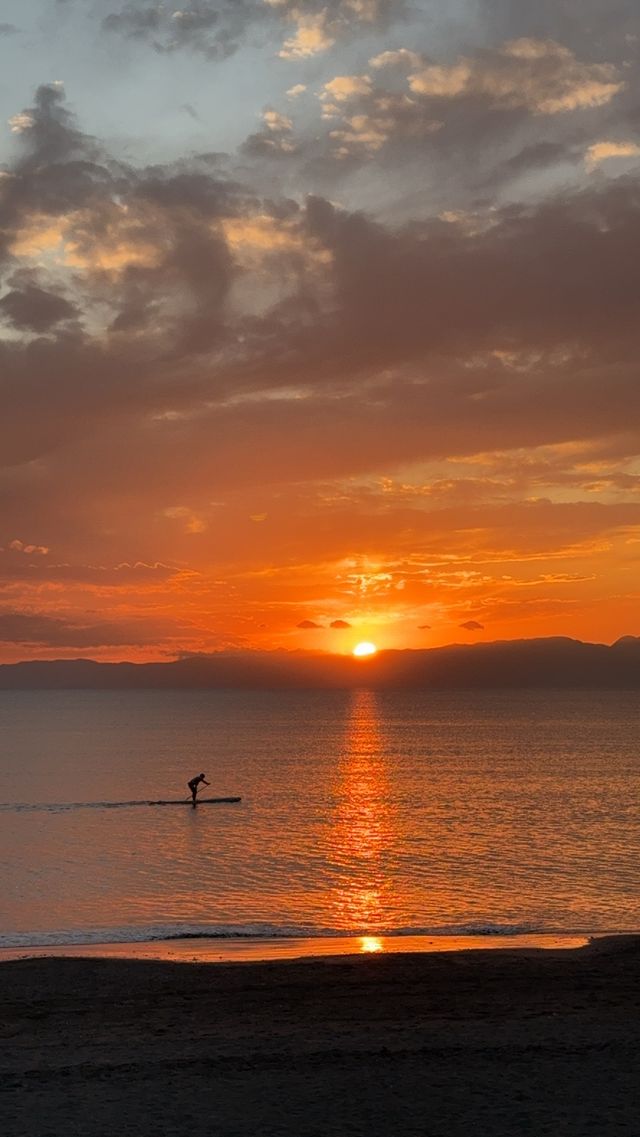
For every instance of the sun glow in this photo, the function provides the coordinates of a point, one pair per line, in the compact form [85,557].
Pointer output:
[370,943]
[364,648]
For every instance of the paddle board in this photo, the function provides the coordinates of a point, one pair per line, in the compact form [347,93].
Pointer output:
[199,801]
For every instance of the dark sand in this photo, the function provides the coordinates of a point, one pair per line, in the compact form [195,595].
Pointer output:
[467,1044]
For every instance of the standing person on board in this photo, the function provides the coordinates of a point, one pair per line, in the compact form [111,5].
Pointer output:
[193,786]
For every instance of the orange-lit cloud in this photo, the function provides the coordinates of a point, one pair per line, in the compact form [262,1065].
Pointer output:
[543,76]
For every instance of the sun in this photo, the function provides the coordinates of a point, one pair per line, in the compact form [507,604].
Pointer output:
[364,648]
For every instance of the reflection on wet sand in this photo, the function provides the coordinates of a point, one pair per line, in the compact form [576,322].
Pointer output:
[371,944]
[252,950]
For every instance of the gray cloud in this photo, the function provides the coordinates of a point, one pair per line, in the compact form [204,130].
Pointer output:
[274,140]
[34,309]
[603,26]
[216,30]
[213,29]
[421,116]
[57,632]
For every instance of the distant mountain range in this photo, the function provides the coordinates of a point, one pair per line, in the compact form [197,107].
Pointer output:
[553,663]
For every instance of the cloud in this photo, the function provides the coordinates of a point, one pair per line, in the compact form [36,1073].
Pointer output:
[41,576]
[275,139]
[370,117]
[17,546]
[217,29]
[57,632]
[214,30]
[18,123]
[339,624]
[34,309]
[309,624]
[600,152]
[472,626]
[540,76]
[319,23]
[429,337]
[474,104]
[8,30]
[153,231]
[220,335]
[312,35]
[522,77]
[609,26]
[424,627]
[400,58]
[539,156]
[346,87]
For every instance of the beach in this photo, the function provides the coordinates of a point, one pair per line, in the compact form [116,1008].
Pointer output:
[432,1045]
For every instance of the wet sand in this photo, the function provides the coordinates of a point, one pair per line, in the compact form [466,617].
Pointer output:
[486,1043]
[250,949]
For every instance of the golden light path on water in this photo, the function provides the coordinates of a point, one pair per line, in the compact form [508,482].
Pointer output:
[362,827]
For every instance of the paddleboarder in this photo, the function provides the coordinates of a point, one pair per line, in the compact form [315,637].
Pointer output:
[195,783]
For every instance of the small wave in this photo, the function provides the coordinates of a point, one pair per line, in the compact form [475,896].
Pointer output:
[162,932]
[68,806]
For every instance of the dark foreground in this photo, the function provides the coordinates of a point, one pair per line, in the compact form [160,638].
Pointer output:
[482,1044]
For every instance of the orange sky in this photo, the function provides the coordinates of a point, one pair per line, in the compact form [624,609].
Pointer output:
[356,348]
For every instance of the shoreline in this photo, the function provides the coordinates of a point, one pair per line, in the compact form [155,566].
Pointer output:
[203,949]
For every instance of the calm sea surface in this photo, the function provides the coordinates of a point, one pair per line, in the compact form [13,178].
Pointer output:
[361,812]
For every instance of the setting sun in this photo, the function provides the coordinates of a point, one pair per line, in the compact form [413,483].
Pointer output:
[364,648]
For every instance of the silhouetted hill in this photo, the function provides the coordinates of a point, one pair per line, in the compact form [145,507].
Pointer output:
[556,662]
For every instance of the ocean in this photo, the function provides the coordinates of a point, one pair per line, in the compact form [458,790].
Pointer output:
[362,813]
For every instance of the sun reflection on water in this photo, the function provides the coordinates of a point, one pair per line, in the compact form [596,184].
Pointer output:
[361,832]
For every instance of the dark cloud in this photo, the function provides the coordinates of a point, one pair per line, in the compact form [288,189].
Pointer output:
[57,170]
[34,309]
[604,26]
[424,627]
[212,29]
[142,244]
[57,632]
[472,626]
[8,30]
[308,624]
[339,624]
[274,140]
[216,30]
[49,131]
[541,155]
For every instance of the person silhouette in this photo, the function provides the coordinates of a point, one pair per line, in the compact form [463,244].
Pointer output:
[194,784]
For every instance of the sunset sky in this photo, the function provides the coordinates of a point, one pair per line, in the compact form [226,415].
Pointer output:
[319,323]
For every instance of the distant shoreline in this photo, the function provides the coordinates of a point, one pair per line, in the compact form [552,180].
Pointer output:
[551,663]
